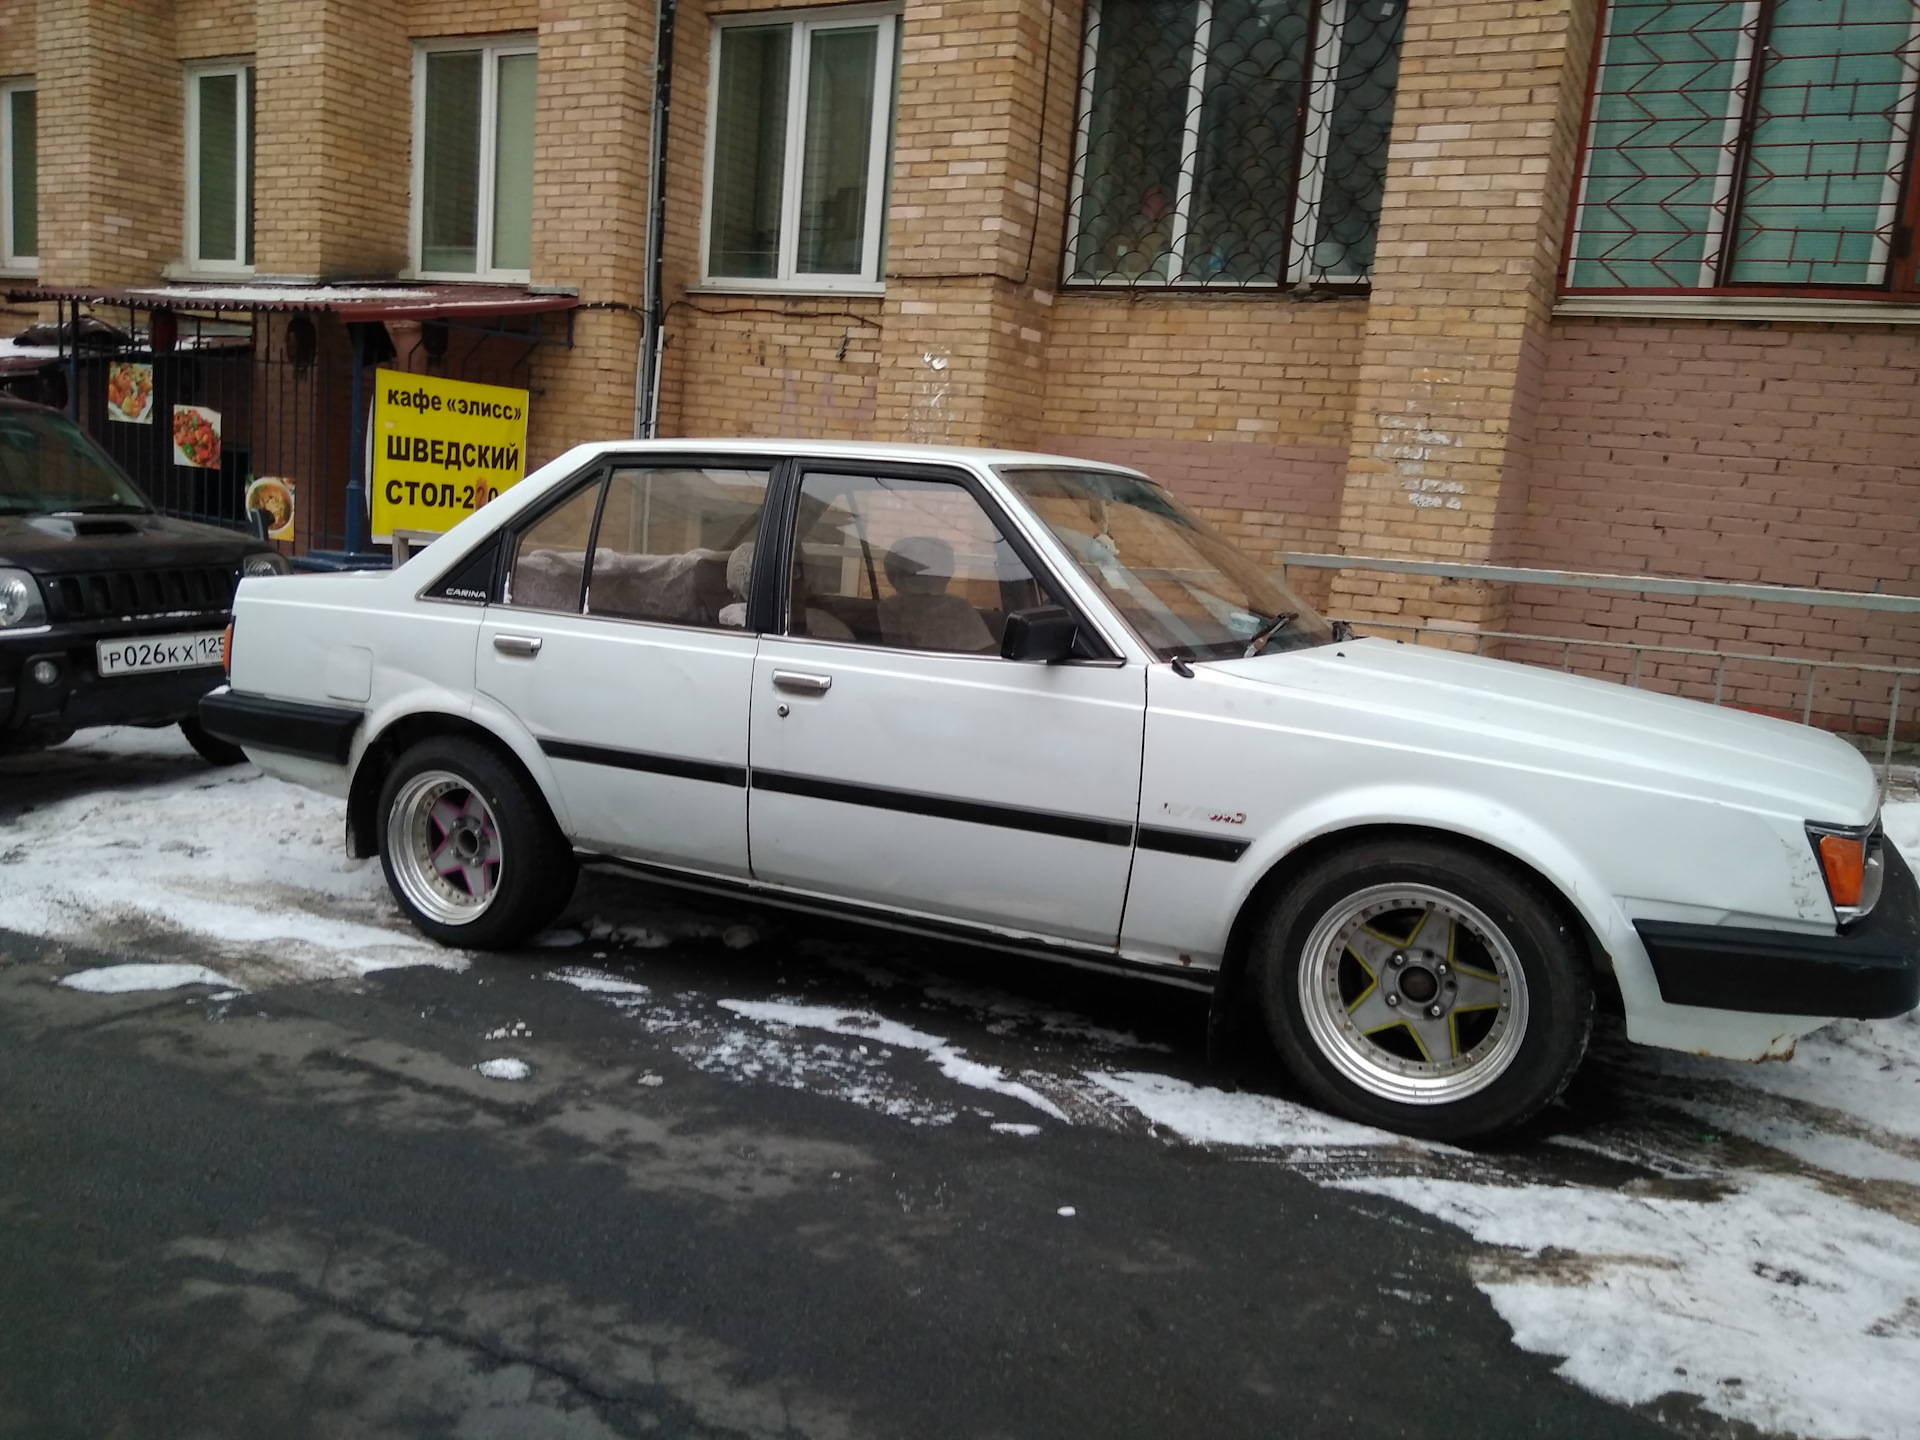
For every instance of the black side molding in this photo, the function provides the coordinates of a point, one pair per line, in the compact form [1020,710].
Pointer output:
[1869,971]
[734,775]
[942,807]
[1186,842]
[316,732]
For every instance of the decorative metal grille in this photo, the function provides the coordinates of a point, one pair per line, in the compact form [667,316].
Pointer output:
[1232,142]
[1736,144]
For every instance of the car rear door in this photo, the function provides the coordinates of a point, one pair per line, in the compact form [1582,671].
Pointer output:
[633,669]
[897,759]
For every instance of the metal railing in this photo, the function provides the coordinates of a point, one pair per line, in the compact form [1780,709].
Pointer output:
[1681,669]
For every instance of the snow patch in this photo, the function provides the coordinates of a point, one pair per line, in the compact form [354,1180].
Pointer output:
[1014,1127]
[1780,1304]
[595,982]
[504,1068]
[1217,1117]
[865,1025]
[127,979]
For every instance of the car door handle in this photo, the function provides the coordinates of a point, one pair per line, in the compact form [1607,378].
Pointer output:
[526,646]
[802,684]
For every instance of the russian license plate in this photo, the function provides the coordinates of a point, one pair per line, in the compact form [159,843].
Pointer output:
[139,654]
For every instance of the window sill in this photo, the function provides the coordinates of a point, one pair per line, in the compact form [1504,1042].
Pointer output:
[8,272]
[1738,307]
[791,292]
[206,275]
[440,277]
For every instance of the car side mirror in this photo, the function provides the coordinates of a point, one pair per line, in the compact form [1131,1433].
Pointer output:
[1043,634]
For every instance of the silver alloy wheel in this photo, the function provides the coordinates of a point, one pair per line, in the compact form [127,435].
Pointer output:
[445,848]
[1387,979]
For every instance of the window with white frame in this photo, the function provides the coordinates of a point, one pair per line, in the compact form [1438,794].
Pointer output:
[19,176]
[220,167]
[1232,142]
[473,158]
[799,140]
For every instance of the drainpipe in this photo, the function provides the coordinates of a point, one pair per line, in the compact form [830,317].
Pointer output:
[357,448]
[646,399]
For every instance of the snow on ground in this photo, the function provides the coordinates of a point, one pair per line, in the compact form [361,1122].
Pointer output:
[1754,1240]
[128,979]
[245,865]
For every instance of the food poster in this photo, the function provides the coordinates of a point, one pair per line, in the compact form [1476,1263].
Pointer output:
[196,437]
[130,392]
[273,496]
[440,450]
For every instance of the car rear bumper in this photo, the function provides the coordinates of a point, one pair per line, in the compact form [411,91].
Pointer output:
[1869,971]
[256,722]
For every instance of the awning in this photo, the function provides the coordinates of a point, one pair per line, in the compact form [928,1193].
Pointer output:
[370,302]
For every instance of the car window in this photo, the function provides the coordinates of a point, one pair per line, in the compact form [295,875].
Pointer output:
[907,564]
[675,545]
[550,562]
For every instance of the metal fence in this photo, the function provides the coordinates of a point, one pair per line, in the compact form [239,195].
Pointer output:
[1872,703]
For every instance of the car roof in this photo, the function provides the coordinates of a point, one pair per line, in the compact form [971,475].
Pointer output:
[849,449]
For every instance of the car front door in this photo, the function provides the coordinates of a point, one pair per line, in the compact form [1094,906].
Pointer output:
[897,758]
[621,645]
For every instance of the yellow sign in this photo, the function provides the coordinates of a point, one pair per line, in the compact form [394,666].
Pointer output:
[441,449]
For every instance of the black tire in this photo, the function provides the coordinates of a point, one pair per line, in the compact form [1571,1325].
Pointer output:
[212,748]
[512,833]
[1528,977]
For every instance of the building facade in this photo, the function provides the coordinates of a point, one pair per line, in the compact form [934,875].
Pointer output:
[1547,283]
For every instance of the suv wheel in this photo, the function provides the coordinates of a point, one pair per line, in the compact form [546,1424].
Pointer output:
[1425,989]
[469,848]
[212,748]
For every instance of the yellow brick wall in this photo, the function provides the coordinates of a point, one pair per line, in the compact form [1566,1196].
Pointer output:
[437,19]
[334,83]
[212,29]
[1485,125]
[110,109]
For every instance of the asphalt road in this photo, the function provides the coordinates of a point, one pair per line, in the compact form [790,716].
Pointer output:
[302,1211]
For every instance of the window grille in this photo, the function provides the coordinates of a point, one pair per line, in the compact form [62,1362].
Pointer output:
[1743,144]
[1232,143]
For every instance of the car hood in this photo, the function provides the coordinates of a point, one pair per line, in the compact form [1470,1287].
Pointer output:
[1506,713]
[49,545]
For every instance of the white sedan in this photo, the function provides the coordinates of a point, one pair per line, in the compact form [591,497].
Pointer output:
[1036,702]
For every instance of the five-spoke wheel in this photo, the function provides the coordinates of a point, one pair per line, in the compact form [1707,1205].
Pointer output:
[1424,987]
[470,850]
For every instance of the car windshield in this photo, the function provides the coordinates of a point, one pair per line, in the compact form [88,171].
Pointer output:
[1177,581]
[49,466]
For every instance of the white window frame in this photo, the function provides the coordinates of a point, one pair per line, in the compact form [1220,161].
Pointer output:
[1322,79]
[807,24]
[243,155]
[492,49]
[10,263]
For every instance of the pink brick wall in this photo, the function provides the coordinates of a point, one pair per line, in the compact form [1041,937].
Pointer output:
[1748,451]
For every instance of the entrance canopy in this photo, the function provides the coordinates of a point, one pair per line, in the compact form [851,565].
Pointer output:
[352,303]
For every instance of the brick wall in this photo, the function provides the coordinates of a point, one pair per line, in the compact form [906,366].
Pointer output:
[110,110]
[1782,454]
[211,29]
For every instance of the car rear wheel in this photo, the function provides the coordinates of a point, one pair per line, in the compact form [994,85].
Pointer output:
[1425,989]
[211,748]
[469,848]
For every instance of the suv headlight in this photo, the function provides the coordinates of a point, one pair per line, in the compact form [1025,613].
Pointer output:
[265,562]
[20,603]
[1852,864]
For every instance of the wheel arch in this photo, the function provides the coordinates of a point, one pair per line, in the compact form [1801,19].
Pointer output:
[1228,1011]
[392,741]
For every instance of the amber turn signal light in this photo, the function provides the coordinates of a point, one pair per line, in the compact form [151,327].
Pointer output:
[226,651]
[1844,859]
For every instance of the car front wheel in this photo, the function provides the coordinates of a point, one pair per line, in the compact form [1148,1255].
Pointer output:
[468,846]
[1424,988]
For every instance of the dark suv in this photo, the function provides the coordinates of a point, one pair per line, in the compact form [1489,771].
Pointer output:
[110,614]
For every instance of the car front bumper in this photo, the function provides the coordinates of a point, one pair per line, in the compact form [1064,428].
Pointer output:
[80,697]
[1868,971]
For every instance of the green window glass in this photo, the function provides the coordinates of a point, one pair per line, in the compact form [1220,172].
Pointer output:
[22,239]
[1745,142]
[749,151]
[476,161]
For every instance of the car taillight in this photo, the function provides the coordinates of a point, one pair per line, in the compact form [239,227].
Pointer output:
[226,651]
[1851,864]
